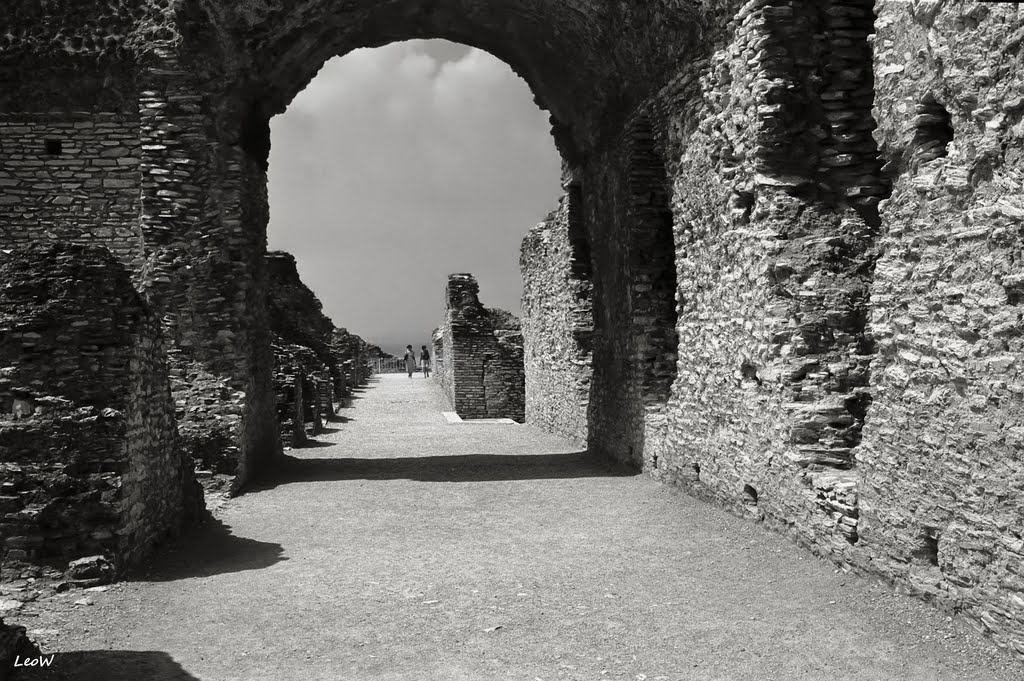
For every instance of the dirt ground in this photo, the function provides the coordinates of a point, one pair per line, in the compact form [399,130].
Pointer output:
[405,547]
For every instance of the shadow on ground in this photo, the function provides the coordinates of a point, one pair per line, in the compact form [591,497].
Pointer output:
[355,394]
[309,443]
[108,665]
[210,549]
[337,418]
[468,468]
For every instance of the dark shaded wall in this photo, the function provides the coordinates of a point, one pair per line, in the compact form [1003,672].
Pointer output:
[88,445]
[296,315]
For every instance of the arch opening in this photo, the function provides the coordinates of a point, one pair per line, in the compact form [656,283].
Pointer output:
[395,168]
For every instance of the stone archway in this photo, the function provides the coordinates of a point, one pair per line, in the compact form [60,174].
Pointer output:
[585,63]
[801,295]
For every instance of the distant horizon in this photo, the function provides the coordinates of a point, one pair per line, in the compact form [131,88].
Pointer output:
[400,165]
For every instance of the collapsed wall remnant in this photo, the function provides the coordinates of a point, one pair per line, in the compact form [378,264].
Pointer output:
[558,320]
[354,355]
[89,453]
[296,316]
[479,361]
[315,363]
[308,372]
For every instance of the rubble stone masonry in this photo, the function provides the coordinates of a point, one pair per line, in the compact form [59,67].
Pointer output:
[306,371]
[89,451]
[480,363]
[558,322]
[941,463]
[847,368]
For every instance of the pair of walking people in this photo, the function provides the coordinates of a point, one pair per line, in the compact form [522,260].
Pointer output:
[410,360]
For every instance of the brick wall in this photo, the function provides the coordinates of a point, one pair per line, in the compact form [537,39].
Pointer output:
[71,177]
[481,356]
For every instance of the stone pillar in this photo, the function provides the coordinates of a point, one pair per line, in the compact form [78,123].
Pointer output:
[203,223]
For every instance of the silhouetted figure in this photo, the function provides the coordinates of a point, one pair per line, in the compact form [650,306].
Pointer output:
[425,361]
[410,360]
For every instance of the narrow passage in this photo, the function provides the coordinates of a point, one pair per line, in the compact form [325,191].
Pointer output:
[403,546]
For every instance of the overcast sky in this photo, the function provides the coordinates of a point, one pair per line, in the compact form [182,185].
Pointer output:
[400,165]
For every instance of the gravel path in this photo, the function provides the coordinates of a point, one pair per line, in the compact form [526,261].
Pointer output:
[406,547]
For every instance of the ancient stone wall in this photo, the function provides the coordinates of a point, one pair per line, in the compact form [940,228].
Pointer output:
[71,177]
[437,358]
[845,374]
[444,367]
[846,366]
[291,392]
[353,355]
[308,371]
[941,475]
[558,322]
[774,259]
[209,412]
[296,315]
[841,365]
[88,444]
[481,370]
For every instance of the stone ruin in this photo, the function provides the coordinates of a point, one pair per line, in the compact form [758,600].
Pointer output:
[558,321]
[315,363]
[89,447]
[796,225]
[478,355]
[91,404]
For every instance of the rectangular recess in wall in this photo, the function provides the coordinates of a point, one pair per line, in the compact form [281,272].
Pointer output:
[53,147]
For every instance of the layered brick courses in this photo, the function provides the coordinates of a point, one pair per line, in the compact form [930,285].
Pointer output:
[480,363]
[71,177]
[558,321]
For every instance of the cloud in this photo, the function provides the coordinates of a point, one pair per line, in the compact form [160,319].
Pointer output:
[399,165]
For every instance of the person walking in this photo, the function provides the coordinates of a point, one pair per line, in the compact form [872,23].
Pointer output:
[410,360]
[425,361]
